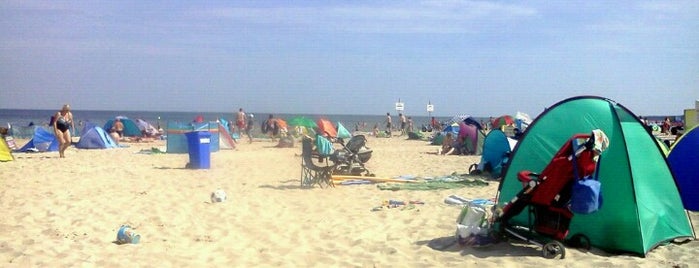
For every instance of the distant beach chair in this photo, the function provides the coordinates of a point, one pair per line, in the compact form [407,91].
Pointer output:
[312,173]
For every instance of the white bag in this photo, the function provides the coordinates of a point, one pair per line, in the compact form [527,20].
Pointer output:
[474,219]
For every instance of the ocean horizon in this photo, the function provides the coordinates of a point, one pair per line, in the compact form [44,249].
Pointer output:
[23,120]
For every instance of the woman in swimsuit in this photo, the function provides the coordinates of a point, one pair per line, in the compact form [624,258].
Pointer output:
[61,128]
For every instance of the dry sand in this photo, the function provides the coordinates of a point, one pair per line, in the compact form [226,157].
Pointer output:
[66,213]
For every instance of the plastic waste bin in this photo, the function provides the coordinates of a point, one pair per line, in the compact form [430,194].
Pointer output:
[199,151]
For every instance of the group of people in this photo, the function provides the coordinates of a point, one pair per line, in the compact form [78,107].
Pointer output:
[406,125]
[245,123]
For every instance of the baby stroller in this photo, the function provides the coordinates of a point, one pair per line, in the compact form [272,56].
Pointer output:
[546,197]
[351,158]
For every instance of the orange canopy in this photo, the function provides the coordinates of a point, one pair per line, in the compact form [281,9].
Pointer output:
[281,123]
[327,126]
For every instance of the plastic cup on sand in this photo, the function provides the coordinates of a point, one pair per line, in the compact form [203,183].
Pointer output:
[126,235]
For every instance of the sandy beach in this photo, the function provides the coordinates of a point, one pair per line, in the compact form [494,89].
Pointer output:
[66,213]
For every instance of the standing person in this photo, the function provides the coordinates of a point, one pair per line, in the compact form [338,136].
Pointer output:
[435,124]
[248,127]
[388,124]
[271,127]
[666,126]
[240,121]
[61,127]
[410,124]
[403,123]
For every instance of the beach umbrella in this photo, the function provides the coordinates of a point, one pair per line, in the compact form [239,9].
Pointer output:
[302,121]
[326,126]
[342,132]
[281,123]
[504,120]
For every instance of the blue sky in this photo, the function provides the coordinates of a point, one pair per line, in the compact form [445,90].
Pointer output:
[348,57]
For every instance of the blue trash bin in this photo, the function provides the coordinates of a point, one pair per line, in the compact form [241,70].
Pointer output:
[199,151]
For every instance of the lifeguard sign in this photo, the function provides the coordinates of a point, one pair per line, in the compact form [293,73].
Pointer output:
[430,108]
[399,106]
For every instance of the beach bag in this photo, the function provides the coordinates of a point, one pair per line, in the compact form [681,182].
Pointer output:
[474,219]
[586,197]
[473,226]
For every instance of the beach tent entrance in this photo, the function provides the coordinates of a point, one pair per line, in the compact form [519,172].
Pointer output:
[642,206]
[95,137]
[684,162]
[130,127]
[42,141]
[5,152]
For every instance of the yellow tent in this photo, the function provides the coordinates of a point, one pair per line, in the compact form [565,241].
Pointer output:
[5,152]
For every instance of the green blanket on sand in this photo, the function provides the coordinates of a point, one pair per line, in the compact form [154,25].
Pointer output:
[444,182]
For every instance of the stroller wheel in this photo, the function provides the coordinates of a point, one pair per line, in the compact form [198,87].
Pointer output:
[552,249]
[580,241]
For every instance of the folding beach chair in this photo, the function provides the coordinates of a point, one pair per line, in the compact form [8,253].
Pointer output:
[312,170]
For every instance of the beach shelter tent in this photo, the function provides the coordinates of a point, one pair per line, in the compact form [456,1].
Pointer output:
[43,141]
[342,132]
[496,152]
[177,140]
[226,125]
[642,207]
[5,152]
[225,140]
[522,121]
[453,128]
[473,138]
[130,127]
[146,127]
[684,163]
[95,137]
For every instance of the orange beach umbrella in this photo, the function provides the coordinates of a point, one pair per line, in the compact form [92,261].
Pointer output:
[326,126]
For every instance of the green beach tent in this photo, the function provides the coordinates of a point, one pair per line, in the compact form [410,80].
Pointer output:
[642,207]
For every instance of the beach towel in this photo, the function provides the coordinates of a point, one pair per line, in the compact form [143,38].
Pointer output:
[324,146]
[452,181]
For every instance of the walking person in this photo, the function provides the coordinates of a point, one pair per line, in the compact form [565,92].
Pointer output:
[248,127]
[240,121]
[389,124]
[403,123]
[62,123]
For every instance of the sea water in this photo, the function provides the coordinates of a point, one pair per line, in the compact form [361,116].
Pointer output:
[24,121]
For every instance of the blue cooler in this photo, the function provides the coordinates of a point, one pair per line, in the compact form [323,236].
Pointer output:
[199,151]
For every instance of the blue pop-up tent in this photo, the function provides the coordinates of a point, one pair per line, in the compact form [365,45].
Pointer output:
[42,141]
[95,137]
[683,160]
